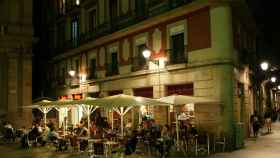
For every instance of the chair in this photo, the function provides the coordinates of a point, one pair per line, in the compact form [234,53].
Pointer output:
[220,140]
[97,150]
[202,144]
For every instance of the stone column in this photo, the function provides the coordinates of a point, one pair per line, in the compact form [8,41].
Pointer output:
[222,45]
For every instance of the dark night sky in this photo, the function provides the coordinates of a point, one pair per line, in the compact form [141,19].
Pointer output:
[267,17]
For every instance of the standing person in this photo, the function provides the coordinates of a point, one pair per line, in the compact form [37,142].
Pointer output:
[267,117]
[255,122]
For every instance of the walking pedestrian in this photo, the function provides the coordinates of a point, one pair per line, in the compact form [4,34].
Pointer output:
[255,123]
[267,117]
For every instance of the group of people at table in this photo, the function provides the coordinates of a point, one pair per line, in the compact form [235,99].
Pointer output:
[150,134]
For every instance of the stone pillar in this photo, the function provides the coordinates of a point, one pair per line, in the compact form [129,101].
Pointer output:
[222,45]
[19,88]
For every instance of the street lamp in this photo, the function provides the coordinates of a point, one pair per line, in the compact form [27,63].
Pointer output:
[264,66]
[273,79]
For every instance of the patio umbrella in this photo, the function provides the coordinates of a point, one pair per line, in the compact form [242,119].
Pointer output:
[123,103]
[41,104]
[181,100]
[88,106]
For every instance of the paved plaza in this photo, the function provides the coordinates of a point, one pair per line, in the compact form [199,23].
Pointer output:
[266,146]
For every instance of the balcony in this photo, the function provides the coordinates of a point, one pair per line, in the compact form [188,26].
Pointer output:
[132,17]
[92,74]
[177,56]
[111,70]
[138,64]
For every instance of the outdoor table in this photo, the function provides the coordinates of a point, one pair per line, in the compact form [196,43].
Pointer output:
[91,144]
[83,138]
[108,147]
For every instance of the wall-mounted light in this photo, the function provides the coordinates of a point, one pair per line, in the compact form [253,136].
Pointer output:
[278,87]
[264,66]
[146,53]
[72,73]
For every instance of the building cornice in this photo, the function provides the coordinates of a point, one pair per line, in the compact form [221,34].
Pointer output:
[168,68]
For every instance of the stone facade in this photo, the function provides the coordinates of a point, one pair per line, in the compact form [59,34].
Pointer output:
[210,66]
[16,39]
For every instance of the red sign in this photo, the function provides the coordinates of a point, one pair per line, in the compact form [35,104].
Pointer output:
[77,96]
[63,97]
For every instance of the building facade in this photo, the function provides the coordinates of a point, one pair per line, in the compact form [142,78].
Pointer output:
[199,48]
[16,38]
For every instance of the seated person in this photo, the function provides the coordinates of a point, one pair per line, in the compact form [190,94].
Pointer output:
[34,133]
[110,134]
[130,144]
[52,135]
[83,133]
[193,131]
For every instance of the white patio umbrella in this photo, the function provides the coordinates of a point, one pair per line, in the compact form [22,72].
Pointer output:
[123,103]
[88,106]
[41,104]
[181,100]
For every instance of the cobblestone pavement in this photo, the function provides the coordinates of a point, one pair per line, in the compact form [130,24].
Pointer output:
[267,146]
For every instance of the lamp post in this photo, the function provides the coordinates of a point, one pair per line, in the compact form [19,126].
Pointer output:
[268,69]
[147,54]
[82,79]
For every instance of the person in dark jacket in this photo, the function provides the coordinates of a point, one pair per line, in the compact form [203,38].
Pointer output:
[255,122]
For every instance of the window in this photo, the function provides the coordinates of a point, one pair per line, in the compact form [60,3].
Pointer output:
[77,64]
[139,61]
[140,49]
[144,92]
[63,76]
[177,54]
[181,89]
[113,9]
[115,92]
[92,20]
[92,69]
[61,6]
[115,64]
[60,34]
[75,31]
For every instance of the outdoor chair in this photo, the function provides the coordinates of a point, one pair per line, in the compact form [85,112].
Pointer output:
[202,144]
[97,150]
[220,140]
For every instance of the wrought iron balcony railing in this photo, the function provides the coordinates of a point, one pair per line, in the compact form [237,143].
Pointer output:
[138,63]
[177,56]
[111,70]
[132,17]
